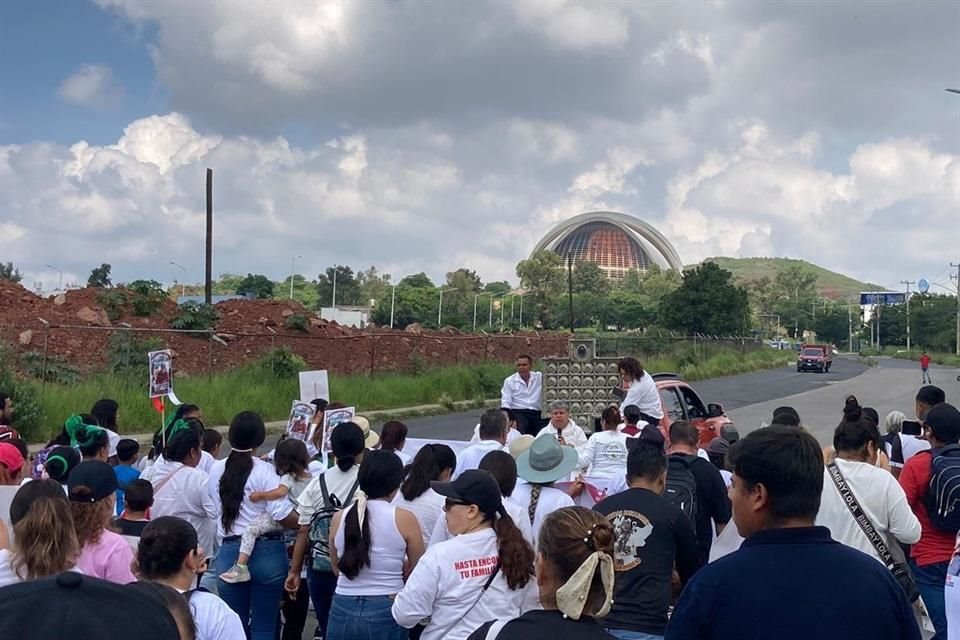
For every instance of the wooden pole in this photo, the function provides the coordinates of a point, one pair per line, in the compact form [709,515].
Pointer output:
[208,282]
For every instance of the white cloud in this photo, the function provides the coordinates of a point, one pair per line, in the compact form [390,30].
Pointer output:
[92,85]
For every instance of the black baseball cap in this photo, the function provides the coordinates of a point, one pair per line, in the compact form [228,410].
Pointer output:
[96,480]
[944,422]
[73,607]
[474,486]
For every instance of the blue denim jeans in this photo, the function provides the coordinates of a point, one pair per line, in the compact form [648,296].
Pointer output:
[322,585]
[626,634]
[257,601]
[930,580]
[363,618]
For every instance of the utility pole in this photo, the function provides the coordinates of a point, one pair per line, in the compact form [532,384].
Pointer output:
[333,302]
[957,267]
[393,302]
[570,287]
[850,328]
[208,280]
[908,283]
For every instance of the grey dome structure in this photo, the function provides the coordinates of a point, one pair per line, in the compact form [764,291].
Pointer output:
[613,241]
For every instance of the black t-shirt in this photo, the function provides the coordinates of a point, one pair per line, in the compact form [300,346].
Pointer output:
[713,504]
[130,527]
[651,534]
[546,625]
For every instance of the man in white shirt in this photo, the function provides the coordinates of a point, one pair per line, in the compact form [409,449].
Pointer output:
[563,428]
[493,437]
[512,433]
[521,394]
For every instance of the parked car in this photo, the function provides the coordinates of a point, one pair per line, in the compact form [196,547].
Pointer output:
[815,357]
[681,402]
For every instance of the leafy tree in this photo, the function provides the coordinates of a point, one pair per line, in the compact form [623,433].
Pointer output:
[259,285]
[707,302]
[657,283]
[632,281]
[373,285]
[10,272]
[795,289]
[542,274]
[833,325]
[626,310]
[464,279]
[498,287]
[417,281]
[304,291]
[413,304]
[589,278]
[100,277]
[348,288]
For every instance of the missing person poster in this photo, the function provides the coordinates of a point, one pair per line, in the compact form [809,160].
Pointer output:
[161,373]
[299,424]
[331,419]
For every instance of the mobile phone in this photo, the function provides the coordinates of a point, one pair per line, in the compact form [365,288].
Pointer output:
[911,428]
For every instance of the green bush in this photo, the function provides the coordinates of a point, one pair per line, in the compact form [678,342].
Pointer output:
[282,362]
[54,370]
[195,316]
[145,297]
[113,301]
[127,354]
[27,410]
[297,322]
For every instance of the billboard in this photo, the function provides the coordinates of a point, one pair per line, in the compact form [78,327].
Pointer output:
[868,298]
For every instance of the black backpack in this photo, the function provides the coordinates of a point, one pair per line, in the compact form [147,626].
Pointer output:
[682,485]
[943,496]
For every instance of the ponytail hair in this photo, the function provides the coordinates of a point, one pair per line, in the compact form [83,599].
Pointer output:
[427,466]
[247,432]
[852,411]
[379,476]
[346,442]
[515,554]
[86,434]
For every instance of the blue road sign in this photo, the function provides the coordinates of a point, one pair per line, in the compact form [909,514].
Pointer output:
[882,297]
[923,285]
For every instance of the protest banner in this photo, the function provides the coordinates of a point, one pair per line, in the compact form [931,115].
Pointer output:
[314,384]
[331,419]
[161,373]
[299,425]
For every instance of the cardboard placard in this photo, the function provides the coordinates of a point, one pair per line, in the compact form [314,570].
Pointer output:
[314,384]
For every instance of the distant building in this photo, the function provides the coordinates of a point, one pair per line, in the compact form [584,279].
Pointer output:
[615,242]
[347,316]
[215,299]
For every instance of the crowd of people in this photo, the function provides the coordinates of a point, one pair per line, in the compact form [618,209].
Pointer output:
[768,535]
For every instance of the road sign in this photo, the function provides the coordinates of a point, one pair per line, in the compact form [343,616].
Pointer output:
[882,297]
[923,285]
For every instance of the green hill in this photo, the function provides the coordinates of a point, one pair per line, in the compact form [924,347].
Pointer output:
[830,284]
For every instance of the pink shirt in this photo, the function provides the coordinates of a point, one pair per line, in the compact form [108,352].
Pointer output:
[108,559]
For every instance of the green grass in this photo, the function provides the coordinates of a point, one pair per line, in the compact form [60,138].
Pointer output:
[829,283]
[256,388]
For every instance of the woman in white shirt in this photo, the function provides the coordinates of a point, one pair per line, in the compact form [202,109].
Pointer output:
[43,542]
[181,489]
[434,462]
[393,436]
[605,454]
[545,462]
[880,496]
[641,390]
[170,553]
[480,574]
[562,428]
[373,544]
[231,483]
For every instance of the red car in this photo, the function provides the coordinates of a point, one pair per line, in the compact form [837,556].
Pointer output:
[681,402]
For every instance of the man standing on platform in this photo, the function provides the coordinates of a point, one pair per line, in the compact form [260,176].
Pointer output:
[521,394]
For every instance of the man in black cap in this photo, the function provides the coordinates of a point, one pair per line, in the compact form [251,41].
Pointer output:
[77,607]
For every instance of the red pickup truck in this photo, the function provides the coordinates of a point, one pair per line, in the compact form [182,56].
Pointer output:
[815,357]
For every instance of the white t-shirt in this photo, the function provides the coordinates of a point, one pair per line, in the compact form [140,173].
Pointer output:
[572,434]
[605,454]
[206,462]
[643,395]
[517,394]
[448,581]
[512,434]
[384,575]
[470,457]
[514,510]
[113,438]
[882,500]
[185,495]
[338,484]
[550,500]
[7,574]
[911,445]
[294,484]
[428,509]
[214,619]
[404,458]
[263,477]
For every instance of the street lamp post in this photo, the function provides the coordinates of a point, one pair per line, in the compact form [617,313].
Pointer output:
[60,281]
[908,283]
[490,318]
[475,298]
[293,268]
[522,295]
[440,308]
[183,289]
[393,302]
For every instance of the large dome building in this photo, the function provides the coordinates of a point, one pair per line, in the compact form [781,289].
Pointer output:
[613,241]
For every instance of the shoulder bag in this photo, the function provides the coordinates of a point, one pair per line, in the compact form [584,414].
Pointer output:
[899,570]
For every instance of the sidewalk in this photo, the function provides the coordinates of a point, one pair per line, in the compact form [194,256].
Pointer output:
[275,428]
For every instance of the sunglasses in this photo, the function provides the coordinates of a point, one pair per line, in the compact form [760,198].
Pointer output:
[449,503]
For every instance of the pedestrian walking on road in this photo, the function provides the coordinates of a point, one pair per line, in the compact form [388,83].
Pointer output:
[833,591]
[925,368]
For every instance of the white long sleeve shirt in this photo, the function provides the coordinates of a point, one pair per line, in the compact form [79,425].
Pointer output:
[470,457]
[449,580]
[605,455]
[881,498]
[185,495]
[572,435]
[643,394]
[517,513]
[517,394]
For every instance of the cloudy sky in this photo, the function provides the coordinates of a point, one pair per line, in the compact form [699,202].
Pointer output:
[425,136]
